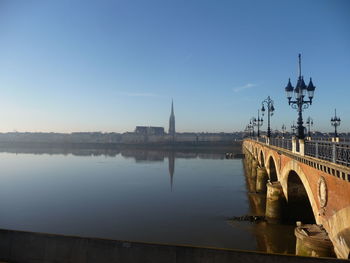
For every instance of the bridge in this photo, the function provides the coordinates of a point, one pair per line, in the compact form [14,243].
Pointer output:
[305,181]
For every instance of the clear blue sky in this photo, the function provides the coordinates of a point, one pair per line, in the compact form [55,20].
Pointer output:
[111,65]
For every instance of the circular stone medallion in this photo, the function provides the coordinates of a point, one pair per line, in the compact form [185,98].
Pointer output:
[322,192]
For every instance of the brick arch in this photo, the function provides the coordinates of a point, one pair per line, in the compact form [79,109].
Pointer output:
[293,166]
[271,155]
[263,159]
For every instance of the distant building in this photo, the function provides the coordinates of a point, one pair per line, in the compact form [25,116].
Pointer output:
[141,130]
[156,131]
[145,130]
[172,121]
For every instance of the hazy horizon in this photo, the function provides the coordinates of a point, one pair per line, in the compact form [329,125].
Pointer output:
[288,131]
[109,66]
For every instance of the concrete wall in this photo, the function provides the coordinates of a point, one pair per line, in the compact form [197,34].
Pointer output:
[17,246]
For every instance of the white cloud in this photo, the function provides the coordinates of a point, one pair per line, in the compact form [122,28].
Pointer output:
[246,86]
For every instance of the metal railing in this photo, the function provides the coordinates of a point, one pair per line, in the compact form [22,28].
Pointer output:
[330,151]
[336,152]
[282,143]
[320,149]
[342,140]
[262,139]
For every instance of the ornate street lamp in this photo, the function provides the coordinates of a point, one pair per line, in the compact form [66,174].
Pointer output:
[252,123]
[335,121]
[270,110]
[309,123]
[283,130]
[293,127]
[259,122]
[249,129]
[300,91]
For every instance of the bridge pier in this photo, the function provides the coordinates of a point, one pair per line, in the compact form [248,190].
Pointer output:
[313,241]
[275,202]
[261,180]
[251,185]
[251,176]
[251,182]
[254,168]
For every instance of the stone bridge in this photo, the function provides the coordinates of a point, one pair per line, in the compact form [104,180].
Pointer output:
[315,189]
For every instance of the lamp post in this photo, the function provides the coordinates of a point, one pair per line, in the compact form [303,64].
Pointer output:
[309,123]
[259,122]
[252,124]
[270,110]
[293,127]
[335,121]
[249,128]
[300,103]
[283,130]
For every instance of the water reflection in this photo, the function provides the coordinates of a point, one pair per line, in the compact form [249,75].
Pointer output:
[130,194]
[126,194]
[139,155]
[275,238]
[171,165]
[257,203]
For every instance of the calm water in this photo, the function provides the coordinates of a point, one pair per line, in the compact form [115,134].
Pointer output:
[181,198]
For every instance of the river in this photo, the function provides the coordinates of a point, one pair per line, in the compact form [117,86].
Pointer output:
[137,195]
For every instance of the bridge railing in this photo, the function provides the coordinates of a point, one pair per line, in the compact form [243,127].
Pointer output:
[330,151]
[282,143]
[342,140]
[342,152]
[336,152]
[262,139]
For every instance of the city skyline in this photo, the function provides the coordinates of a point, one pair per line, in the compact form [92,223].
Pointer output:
[113,65]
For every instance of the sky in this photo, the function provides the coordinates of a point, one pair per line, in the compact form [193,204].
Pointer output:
[82,65]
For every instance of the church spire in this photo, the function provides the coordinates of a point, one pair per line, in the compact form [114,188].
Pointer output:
[172,121]
[172,107]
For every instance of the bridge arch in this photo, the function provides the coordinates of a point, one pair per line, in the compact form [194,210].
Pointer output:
[299,205]
[261,158]
[297,188]
[271,167]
